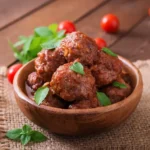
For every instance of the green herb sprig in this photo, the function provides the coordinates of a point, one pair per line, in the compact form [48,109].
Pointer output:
[43,38]
[77,67]
[26,135]
[41,94]
[103,98]
[119,85]
[109,52]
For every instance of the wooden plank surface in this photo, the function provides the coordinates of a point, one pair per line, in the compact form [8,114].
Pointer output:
[129,12]
[54,12]
[12,10]
[136,45]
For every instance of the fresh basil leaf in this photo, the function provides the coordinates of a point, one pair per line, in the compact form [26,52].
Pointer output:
[43,32]
[38,136]
[49,44]
[17,53]
[109,52]
[61,34]
[19,43]
[27,44]
[22,38]
[103,98]
[119,85]
[35,46]
[77,67]
[14,134]
[25,139]
[26,129]
[41,94]
[53,27]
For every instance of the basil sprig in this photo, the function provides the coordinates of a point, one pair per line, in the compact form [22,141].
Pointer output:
[26,135]
[77,67]
[103,98]
[119,85]
[41,94]
[43,37]
[109,52]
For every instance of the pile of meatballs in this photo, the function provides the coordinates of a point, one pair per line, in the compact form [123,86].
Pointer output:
[71,90]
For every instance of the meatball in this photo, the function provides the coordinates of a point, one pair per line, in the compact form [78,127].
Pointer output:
[47,62]
[71,86]
[78,45]
[34,81]
[83,104]
[117,94]
[54,101]
[107,69]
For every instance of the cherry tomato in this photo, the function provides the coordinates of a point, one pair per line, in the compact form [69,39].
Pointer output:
[67,25]
[12,71]
[100,43]
[110,23]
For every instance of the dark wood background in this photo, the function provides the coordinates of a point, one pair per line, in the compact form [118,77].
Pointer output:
[132,41]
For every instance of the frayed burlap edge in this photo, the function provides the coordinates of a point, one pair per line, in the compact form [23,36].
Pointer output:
[3,105]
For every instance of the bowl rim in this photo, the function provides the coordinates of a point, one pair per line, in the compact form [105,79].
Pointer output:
[105,109]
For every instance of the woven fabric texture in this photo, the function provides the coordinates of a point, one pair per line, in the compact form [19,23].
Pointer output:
[132,134]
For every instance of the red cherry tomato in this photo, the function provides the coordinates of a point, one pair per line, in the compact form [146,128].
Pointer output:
[12,71]
[100,43]
[67,25]
[110,23]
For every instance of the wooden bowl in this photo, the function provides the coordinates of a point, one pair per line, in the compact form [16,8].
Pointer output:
[79,121]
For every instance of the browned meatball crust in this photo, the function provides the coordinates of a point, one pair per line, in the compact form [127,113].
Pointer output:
[107,69]
[34,81]
[117,94]
[78,45]
[83,104]
[72,86]
[47,62]
[54,101]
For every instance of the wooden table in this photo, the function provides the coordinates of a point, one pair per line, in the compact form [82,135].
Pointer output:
[132,41]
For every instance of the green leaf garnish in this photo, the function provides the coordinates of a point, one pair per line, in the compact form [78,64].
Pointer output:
[109,52]
[119,85]
[103,98]
[38,136]
[25,135]
[53,27]
[43,32]
[51,44]
[25,139]
[77,67]
[14,134]
[43,37]
[41,94]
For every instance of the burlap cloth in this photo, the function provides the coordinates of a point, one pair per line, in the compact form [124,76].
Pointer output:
[133,134]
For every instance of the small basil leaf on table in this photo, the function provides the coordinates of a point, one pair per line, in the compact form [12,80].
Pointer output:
[25,139]
[109,52]
[77,67]
[38,136]
[43,32]
[41,94]
[14,134]
[53,27]
[25,135]
[26,128]
[103,98]
[119,85]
